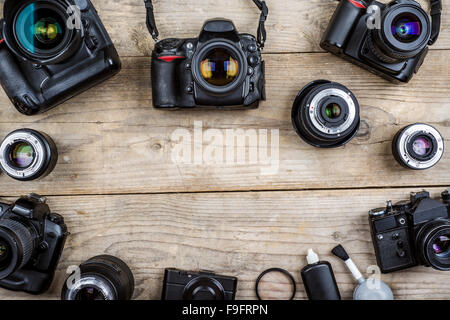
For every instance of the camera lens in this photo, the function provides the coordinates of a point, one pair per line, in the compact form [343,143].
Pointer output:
[219,67]
[441,246]
[40,28]
[434,244]
[418,146]
[406,27]
[101,278]
[28,154]
[204,288]
[326,114]
[404,33]
[16,246]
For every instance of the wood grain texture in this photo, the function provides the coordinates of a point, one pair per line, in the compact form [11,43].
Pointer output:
[237,234]
[111,140]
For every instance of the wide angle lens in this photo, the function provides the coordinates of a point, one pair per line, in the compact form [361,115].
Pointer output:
[40,28]
[219,67]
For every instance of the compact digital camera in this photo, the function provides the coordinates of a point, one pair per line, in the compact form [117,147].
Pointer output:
[52,50]
[412,233]
[31,242]
[204,285]
[390,40]
[220,68]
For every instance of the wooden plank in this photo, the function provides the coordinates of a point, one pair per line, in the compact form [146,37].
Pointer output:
[111,140]
[238,234]
[293,26]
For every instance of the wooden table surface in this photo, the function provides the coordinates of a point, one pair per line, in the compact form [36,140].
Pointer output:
[121,194]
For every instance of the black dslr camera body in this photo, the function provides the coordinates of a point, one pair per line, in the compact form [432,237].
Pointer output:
[220,68]
[204,285]
[52,51]
[412,233]
[391,40]
[31,242]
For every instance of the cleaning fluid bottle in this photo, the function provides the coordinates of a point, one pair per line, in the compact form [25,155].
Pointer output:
[318,279]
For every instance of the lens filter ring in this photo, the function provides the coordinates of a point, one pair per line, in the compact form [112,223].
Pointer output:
[418,146]
[288,280]
[27,154]
[326,114]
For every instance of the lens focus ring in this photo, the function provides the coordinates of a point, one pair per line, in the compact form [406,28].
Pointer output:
[23,239]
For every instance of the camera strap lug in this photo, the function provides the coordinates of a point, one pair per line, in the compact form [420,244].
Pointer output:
[436,9]
[262,34]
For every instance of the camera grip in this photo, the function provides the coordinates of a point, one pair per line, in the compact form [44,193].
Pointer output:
[164,83]
[15,85]
[341,25]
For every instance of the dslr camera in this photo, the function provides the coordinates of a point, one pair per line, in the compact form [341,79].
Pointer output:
[204,285]
[412,233]
[391,40]
[52,50]
[220,68]
[31,242]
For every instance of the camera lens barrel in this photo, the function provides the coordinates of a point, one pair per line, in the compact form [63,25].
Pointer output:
[27,154]
[434,244]
[16,246]
[404,33]
[102,277]
[418,146]
[326,114]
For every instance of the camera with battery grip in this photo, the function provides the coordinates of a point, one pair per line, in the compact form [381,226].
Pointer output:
[52,50]
[220,68]
[390,40]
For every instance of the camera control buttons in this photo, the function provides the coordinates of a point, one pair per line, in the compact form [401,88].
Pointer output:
[252,48]
[253,60]
[250,71]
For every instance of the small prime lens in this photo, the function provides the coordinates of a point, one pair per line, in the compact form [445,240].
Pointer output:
[326,114]
[40,28]
[28,154]
[101,278]
[418,146]
[16,246]
[219,67]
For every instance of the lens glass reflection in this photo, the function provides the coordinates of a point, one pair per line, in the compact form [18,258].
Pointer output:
[219,67]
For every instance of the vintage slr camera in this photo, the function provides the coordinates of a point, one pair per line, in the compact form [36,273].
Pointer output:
[204,285]
[390,40]
[411,233]
[52,50]
[219,68]
[31,242]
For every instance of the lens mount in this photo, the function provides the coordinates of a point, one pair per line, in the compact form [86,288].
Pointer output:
[101,278]
[326,114]
[37,30]
[204,288]
[235,53]
[405,32]
[429,236]
[17,240]
[27,154]
[418,146]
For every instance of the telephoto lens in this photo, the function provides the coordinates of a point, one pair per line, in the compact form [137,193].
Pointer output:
[102,277]
[325,114]
[27,154]
[418,146]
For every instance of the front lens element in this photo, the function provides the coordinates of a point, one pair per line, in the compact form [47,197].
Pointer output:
[39,29]
[333,111]
[422,146]
[219,67]
[441,246]
[406,27]
[21,155]
[90,294]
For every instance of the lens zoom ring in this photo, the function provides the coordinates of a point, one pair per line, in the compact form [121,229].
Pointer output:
[23,236]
